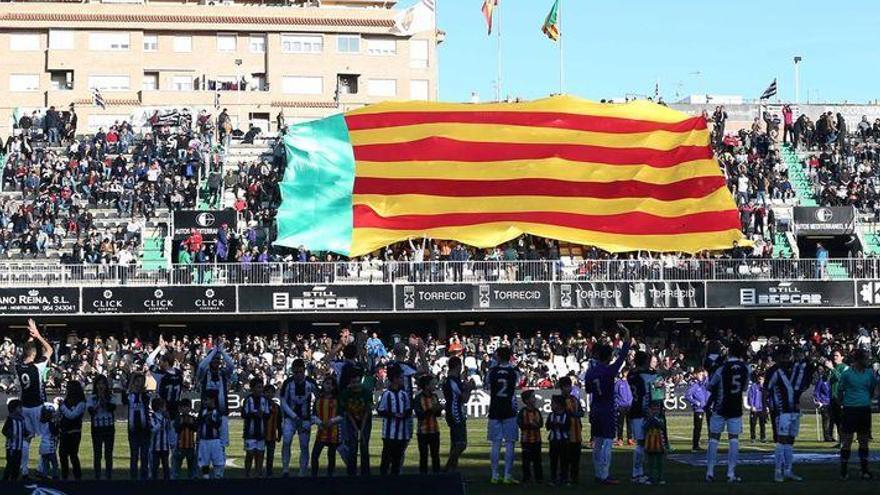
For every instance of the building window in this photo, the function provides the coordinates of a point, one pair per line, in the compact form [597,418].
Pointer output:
[303,85]
[347,84]
[61,80]
[418,54]
[224,83]
[382,46]
[183,44]
[348,44]
[382,87]
[24,42]
[150,81]
[258,82]
[258,43]
[418,89]
[301,43]
[24,82]
[151,42]
[61,39]
[109,42]
[182,83]
[227,42]
[109,83]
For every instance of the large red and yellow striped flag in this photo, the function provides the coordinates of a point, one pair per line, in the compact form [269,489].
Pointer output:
[628,177]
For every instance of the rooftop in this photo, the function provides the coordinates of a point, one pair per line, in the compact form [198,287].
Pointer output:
[343,15]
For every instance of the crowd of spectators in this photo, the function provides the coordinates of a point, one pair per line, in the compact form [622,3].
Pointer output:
[174,161]
[756,174]
[137,172]
[844,168]
[841,162]
[542,356]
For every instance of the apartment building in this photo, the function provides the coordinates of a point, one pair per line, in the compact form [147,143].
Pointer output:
[305,58]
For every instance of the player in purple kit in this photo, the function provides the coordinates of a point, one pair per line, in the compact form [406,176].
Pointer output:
[599,381]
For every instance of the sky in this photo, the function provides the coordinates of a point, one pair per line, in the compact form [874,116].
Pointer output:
[619,47]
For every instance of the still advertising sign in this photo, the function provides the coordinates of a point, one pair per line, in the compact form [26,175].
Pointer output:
[318,298]
[780,294]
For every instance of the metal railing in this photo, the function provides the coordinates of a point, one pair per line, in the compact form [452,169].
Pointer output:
[376,272]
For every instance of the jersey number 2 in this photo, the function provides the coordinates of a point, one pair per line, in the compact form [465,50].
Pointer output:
[502,389]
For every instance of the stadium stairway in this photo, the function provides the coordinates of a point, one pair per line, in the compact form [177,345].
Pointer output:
[241,153]
[836,271]
[152,256]
[797,174]
[802,186]
[872,241]
[781,246]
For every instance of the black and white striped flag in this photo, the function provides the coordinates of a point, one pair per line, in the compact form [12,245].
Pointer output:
[770,92]
[98,99]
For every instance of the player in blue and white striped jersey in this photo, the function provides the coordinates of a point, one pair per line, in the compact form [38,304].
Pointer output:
[15,431]
[395,409]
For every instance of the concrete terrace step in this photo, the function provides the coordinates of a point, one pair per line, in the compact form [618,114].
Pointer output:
[798,176]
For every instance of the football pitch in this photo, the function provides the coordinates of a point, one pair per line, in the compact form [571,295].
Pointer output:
[681,469]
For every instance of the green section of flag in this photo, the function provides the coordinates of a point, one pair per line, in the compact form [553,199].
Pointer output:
[551,23]
[316,193]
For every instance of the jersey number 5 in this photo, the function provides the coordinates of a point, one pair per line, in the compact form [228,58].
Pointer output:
[736,384]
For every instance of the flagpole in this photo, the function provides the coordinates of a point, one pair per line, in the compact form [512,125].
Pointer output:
[436,52]
[499,81]
[561,50]
[777,89]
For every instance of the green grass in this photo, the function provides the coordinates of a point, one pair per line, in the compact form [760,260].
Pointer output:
[821,478]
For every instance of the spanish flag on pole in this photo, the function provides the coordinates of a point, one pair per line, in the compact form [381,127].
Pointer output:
[551,24]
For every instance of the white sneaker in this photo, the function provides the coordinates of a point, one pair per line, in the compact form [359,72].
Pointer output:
[793,477]
[734,479]
[777,477]
[709,478]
